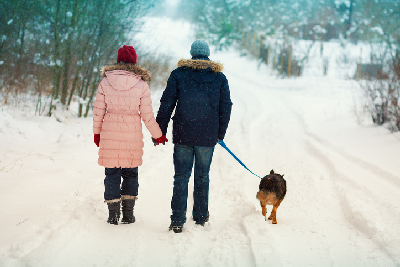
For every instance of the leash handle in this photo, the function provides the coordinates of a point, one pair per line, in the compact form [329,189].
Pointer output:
[222,143]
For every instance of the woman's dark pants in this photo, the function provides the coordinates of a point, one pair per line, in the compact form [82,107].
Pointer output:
[112,183]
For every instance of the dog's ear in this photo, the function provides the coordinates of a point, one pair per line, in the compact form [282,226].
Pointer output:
[272,172]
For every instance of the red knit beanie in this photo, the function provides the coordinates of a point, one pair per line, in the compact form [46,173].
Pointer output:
[127,54]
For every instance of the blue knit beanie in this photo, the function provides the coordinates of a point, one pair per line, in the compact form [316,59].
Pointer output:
[200,48]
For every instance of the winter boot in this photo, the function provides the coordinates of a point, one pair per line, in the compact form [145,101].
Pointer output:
[206,219]
[127,211]
[176,228]
[114,212]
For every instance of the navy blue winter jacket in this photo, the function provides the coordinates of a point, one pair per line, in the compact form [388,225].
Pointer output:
[199,93]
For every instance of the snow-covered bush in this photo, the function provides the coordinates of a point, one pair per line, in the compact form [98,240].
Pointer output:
[159,65]
[383,96]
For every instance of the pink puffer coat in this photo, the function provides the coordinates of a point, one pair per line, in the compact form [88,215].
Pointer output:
[122,100]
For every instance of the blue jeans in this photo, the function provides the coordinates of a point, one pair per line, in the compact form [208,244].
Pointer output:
[184,156]
[112,183]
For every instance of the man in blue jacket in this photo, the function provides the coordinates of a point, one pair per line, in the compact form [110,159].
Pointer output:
[198,91]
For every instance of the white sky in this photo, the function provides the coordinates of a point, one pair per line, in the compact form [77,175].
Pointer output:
[172,2]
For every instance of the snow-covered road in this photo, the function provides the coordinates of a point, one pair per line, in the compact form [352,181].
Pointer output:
[341,209]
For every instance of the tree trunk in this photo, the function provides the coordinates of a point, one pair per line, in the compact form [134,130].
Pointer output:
[67,54]
[57,68]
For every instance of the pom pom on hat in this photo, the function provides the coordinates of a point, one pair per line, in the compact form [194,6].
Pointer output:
[200,48]
[127,54]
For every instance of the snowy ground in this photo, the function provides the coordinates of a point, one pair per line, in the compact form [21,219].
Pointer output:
[341,209]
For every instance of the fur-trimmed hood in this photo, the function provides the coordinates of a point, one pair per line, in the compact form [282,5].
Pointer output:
[145,74]
[200,64]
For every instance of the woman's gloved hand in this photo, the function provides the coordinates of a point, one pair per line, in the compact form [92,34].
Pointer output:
[97,139]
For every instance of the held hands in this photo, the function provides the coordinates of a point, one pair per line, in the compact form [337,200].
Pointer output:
[159,140]
[97,139]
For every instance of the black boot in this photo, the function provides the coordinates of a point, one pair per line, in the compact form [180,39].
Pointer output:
[114,212]
[206,219]
[127,211]
[176,228]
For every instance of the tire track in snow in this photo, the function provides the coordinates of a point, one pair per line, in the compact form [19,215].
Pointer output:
[228,206]
[240,185]
[278,147]
[271,125]
[53,237]
[252,114]
[390,178]
[262,242]
[352,190]
[231,247]
[353,214]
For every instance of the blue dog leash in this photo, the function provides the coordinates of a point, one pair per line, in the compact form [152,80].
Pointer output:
[222,143]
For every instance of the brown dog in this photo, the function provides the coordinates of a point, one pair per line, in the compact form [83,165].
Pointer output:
[272,191]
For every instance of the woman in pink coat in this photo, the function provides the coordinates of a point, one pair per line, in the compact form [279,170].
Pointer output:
[122,101]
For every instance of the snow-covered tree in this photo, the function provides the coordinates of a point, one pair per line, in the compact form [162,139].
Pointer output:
[57,47]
